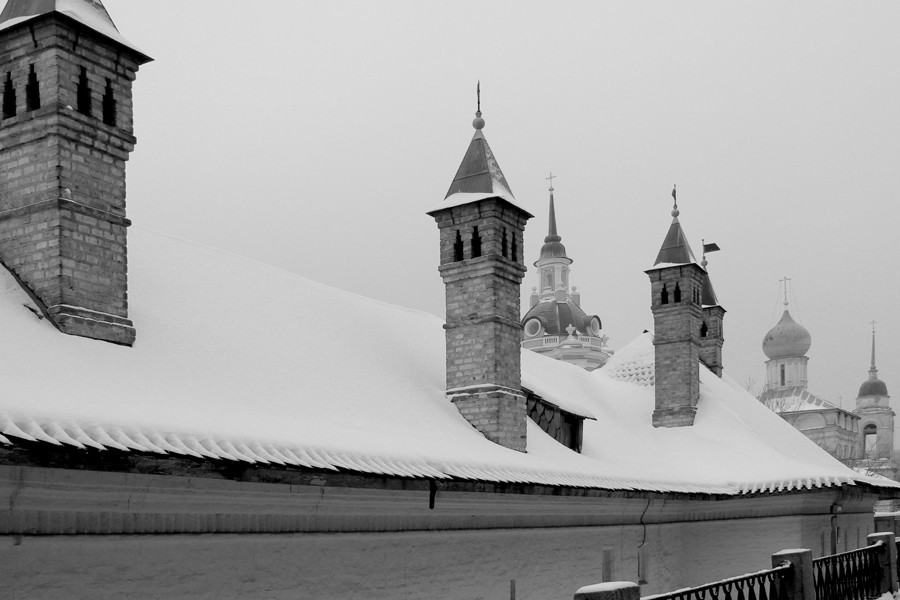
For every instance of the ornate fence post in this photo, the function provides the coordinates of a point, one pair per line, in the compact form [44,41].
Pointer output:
[887,558]
[800,582]
[613,590]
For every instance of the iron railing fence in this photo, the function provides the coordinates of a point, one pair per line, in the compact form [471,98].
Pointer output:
[763,585]
[854,575]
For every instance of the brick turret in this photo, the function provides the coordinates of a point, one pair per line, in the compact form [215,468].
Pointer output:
[687,328]
[66,133]
[482,266]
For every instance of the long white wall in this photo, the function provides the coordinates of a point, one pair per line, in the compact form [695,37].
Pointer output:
[547,563]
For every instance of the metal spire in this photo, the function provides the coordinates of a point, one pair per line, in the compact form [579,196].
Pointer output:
[478,123]
[552,235]
[873,345]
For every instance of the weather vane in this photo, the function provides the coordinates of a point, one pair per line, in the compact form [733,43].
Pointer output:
[674,196]
[551,178]
[478,92]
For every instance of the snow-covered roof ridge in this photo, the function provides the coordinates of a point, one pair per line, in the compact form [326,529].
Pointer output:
[216,373]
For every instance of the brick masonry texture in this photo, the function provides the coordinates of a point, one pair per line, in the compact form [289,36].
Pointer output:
[62,176]
[483,332]
[676,345]
[711,345]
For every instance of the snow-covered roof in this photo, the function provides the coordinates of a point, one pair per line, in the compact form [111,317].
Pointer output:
[797,399]
[89,13]
[228,365]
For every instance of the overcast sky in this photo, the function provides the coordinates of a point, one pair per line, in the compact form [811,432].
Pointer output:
[313,136]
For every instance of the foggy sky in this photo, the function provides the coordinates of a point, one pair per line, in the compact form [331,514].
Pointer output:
[313,136]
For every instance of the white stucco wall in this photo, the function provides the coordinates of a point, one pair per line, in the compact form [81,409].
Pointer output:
[546,563]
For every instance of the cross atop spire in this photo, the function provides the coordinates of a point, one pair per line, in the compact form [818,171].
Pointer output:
[785,282]
[551,178]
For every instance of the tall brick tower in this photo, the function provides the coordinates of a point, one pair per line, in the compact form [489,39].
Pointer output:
[684,329]
[482,266]
[712,333]
[66,133]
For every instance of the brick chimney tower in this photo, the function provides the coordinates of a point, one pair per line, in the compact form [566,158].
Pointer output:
[65,135]
[482,266]
[686,328]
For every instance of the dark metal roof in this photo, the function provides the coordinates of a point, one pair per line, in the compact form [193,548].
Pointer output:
[27,8]
[675,248]
[478,170]
[559,315]
[552,247]
[873,387]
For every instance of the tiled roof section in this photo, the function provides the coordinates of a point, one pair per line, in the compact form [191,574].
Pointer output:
[675,248]
[633,364]
[479,171]
[27,8]
[795,399]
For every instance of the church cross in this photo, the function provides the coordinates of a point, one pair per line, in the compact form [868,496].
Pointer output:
[551,178]
[873,326]
[785,282]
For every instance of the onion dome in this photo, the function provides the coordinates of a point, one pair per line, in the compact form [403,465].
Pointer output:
[873,386]
[787,338]
[552,247]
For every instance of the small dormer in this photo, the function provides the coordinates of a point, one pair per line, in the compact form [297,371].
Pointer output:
[565,426]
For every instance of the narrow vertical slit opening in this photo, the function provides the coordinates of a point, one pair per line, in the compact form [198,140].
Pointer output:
[458,248]
[704,330]
[109,105]
[664,295]
[32,91]
[9,98]
[476,243]
[513,248]
[84,93]
[503,243]
[677,294]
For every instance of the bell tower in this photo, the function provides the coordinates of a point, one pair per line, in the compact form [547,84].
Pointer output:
[482,266]
[66,133]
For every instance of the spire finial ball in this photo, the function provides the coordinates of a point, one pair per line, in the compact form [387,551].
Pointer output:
[478,123]
[675,212]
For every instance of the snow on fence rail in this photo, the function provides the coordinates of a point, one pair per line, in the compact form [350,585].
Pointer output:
[861,574]
[768,584]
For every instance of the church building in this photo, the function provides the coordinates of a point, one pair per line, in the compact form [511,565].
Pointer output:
[158,431]
[834,429]
[555,324]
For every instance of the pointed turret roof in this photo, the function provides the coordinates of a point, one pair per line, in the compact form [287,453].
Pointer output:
[479,172]
[552,247]
[675,248]
[90,13]
[479,176]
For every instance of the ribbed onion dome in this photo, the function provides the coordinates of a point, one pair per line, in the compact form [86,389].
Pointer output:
[787,338]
